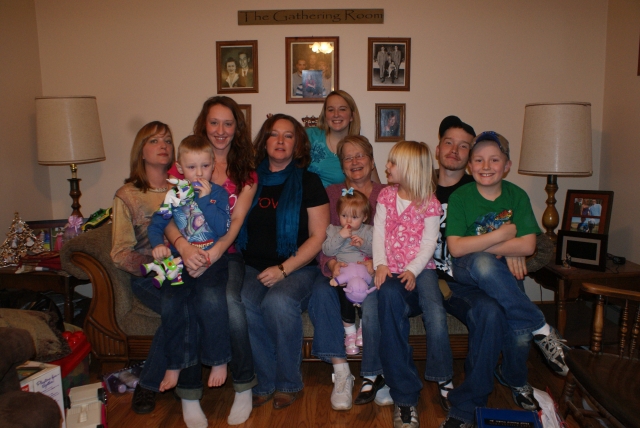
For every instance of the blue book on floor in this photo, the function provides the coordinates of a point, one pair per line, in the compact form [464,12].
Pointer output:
[486,418]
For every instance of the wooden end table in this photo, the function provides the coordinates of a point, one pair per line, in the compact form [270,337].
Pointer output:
[566,283]
[60,282]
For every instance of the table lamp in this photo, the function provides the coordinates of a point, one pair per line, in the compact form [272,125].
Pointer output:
[68,133]
[556,140]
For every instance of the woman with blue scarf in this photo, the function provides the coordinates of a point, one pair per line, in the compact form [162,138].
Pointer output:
[280,239]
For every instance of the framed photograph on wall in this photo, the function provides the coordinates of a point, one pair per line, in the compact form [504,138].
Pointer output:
[237,66]
[389,64]
[390,122]
[311,68]
[246,110]
[50,232]
[582,250]
[587,211]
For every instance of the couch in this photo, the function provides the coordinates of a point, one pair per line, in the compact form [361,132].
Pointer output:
[120,328]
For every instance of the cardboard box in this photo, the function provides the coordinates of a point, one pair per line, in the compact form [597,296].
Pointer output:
[44,378]
[488,418]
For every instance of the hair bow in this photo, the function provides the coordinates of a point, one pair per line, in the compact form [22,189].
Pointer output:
[75,222]
[347,192]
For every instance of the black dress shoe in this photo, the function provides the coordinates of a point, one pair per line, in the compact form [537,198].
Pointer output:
[365,397]
[143,400]
[444,401]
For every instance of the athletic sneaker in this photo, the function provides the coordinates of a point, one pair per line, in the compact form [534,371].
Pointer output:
[405,417]
[552,347]
[342,394]
[350,344]
[452,422]
[522,395]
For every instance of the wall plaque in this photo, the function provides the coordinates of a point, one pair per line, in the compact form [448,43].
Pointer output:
[310,16]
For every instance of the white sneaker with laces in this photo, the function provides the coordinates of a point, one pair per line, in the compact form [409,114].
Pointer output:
[342,394]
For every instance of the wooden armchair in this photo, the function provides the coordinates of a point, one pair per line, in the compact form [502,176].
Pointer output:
[608,374]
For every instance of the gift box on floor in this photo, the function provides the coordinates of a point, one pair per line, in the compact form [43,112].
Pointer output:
[74,368]
[45,378]
[488,418]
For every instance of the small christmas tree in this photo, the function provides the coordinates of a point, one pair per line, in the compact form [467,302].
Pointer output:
[20,242]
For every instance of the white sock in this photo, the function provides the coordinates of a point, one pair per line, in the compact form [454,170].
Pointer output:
[350,329]
[545,330]
[368,387]
[448,384]
[341,367]
[241,408]
[193,415]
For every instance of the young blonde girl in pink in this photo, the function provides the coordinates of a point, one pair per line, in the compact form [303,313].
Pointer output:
[406,228]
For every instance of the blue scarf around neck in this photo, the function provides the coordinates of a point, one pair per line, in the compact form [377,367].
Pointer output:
[287,211]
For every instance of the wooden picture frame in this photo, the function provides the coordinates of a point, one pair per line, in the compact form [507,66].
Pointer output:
[246,110]
[239,52]
[390,122]
[586,250]
[48,230]
[393,77]
[587,211]
[311,74]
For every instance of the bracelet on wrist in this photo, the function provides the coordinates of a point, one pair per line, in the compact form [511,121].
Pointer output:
[284,272]
[176,240]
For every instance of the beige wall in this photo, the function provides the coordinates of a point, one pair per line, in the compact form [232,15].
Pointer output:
[25,184]
[155,59]
[621,137]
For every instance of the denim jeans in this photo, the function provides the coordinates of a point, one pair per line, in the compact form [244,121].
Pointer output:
[328,335]
[202,298]
[395,306]
[492,275]
[489,333]
[190,381]
[275,327]
[439,366]
[241,365]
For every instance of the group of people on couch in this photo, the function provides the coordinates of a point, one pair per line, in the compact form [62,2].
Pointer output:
[265,267]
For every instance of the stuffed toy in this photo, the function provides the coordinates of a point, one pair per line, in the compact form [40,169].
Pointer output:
[179,195]
[357,278]
[169,268]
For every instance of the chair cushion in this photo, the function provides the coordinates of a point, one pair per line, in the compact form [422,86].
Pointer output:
[612,381]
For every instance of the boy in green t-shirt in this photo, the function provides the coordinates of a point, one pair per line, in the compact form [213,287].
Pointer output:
[491,228]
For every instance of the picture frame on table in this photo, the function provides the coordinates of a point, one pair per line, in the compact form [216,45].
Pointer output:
[246,110]
[587,211]
[312,68]
[390,122]
[582,250]
[389,76]
[49,231]
[237,66]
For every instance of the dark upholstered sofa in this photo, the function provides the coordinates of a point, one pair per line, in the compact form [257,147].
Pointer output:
[120,328]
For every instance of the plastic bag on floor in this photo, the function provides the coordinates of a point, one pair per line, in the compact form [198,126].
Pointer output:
[548,410]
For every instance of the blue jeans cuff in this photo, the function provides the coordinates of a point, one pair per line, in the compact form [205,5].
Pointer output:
[189,393]
[373,373]
[465,417]
[327,357]
[241,386]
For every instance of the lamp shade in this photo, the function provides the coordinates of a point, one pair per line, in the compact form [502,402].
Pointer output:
[68,130]
[556,139]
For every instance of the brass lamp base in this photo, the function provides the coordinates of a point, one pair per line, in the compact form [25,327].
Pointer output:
[74,183]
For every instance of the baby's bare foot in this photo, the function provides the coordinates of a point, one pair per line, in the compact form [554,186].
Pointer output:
[170,380]
[218,375]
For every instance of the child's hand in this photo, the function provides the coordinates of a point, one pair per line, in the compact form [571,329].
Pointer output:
[408,279]
[335,266]
[333,282]
[382,272]
[203,188]
[507,231]
[356,241]
[160,252]
[345,232]
[369,265]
